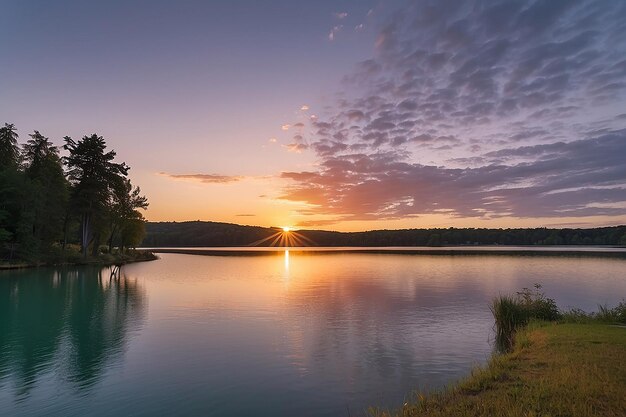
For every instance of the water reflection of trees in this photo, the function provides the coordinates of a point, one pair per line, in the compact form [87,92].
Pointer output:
[72,323]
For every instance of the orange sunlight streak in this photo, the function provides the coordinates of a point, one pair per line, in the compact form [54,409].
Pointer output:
[286,237]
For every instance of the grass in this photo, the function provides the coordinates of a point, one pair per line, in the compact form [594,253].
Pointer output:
[604,315]
[553,369]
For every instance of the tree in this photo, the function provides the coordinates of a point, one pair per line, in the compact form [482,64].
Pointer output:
[133,233]
[125,210]
[9,151]
[5,235]
[13,190]
[50,190]
[434,240]
[93,174]
[36,151]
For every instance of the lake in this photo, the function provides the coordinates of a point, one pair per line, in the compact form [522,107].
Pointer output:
[285,334]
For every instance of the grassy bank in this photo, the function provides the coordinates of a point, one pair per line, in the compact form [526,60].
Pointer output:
[72,257]
[551,363]
[565,369]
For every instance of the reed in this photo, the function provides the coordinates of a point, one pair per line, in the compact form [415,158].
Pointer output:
[509,314]
[513,312]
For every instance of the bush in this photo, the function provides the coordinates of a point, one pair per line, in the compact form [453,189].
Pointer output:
[620,312]
[537,305]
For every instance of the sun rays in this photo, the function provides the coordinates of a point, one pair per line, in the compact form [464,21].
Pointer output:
[285,237]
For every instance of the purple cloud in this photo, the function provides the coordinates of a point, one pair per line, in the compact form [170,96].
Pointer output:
[479,109]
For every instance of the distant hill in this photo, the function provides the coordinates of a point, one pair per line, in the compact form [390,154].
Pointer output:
[212,234]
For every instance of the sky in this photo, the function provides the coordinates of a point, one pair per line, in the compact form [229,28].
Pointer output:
[342,115]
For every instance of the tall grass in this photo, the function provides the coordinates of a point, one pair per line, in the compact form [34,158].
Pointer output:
[512,312]
[605,314]
[509,316]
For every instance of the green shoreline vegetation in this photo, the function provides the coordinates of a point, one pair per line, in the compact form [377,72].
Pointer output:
[549,363]
[73,257]
[80,208]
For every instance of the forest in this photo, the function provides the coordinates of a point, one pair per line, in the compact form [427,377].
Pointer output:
[57,209]
[197,233]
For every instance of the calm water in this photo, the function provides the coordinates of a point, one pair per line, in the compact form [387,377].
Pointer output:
[276,335]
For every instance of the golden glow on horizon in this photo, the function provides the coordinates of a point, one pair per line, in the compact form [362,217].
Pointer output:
[284,237]
[189,201]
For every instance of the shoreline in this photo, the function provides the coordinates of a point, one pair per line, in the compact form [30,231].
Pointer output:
[573,369]
[103,260]
[570,251]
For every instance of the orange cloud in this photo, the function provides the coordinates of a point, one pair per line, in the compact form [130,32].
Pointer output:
[205,178]
[296,147]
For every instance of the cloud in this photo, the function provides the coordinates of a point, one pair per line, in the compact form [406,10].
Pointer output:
[205,178]
[285,127]
[272,140]
[304,107]
[333,32]
[478,109]
[315,223]
[296,147]
[565,180]
[340,15]
[245,215]
[458,63]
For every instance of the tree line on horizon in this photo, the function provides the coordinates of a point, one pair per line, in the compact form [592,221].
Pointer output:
[49,201]
[198,233]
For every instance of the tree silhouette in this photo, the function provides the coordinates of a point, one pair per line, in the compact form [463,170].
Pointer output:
[44,203]
[36,151]
[93,174]
[49,196]
[9,151]
[125,216]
